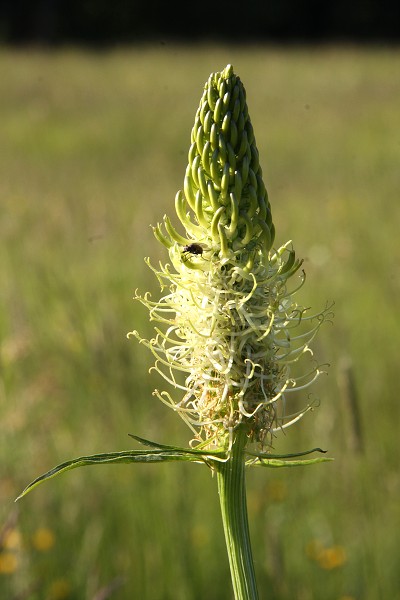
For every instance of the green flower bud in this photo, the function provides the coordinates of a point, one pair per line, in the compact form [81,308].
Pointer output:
[224,203]
[228,322]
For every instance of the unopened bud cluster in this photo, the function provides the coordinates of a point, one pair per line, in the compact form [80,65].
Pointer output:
[227,339]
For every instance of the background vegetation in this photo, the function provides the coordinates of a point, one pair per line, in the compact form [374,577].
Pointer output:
[93,149]
[98,22]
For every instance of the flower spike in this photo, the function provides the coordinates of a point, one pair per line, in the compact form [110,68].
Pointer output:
[229,311]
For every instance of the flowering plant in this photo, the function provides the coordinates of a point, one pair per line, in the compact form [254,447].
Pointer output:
[230,338]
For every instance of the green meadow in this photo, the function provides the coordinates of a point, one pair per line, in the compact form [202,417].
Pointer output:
[93,148]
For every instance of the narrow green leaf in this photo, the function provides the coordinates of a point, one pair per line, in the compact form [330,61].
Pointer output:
[130,456]
[268,456]
[149,443]
[276,463]
[198,451]
[160,453]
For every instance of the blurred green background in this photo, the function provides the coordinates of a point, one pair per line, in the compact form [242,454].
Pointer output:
[93,147]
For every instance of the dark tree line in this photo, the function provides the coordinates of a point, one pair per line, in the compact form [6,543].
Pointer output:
[113,21]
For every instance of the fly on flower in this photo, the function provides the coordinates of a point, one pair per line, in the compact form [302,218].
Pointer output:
[196,249]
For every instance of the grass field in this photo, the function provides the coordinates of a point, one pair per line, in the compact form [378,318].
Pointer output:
[93,147]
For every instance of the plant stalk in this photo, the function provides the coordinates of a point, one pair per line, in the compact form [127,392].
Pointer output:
[232,496]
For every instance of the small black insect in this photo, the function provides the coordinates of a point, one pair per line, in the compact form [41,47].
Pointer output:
[195,249]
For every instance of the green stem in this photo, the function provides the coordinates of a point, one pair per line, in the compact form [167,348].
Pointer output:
[232,496]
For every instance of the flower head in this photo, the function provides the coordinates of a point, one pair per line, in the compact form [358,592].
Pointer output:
[228,320]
